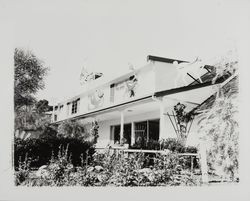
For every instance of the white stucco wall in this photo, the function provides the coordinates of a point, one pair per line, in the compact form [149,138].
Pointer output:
[165,74]
[105,133]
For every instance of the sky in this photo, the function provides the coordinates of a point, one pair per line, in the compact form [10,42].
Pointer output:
[104,36]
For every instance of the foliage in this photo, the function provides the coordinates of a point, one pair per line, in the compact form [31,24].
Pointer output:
[94,131]
[72,129]
[29,75]
[40,150]
[23,170]
[183,118]
[171,144]
[43,106]
[114,169]
[28,79]
[220,130]
[28,118]
[150,144]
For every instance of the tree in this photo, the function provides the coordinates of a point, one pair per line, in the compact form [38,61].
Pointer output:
[43,106]
[28,78]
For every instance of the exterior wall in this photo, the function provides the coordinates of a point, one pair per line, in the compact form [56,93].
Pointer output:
[99,97]
[165,76]
[104,126]
[193,137]
[105,131]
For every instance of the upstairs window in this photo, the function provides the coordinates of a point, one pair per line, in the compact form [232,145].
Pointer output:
[75,106]
[61,107]
[112,92]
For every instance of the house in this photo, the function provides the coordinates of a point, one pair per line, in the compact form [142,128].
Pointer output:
[140,104]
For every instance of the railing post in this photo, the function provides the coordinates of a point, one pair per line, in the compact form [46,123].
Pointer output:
[203,162]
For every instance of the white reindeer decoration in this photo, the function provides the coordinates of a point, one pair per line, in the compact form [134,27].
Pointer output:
[193,68]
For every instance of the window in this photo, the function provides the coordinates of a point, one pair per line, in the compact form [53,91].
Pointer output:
[147,130]
[112,92]
[68,105]
[61,107]
[115,132]
[55,117]
[75,106]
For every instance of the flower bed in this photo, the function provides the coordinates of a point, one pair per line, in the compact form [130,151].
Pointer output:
[117,169]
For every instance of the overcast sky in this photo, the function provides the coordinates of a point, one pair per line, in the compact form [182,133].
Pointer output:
[105,35]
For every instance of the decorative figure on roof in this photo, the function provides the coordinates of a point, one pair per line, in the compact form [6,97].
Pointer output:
[132,82]
[86,77]
[188,68]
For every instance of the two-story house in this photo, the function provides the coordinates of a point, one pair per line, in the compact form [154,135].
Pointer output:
[138,103]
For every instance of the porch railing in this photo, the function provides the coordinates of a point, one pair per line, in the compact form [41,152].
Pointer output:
[128,151]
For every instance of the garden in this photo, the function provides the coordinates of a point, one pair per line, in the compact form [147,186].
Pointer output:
[75,162]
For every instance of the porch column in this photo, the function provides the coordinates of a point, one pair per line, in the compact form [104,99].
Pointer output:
[121,125]
[163,132]
[132,133]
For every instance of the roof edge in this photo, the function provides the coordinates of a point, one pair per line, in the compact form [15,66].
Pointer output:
[162,59]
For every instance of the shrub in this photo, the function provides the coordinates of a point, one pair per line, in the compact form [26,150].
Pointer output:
[72,129]
[150,144]
[171,144]
[40,150]
[117,169]
[175,145]
[23,170]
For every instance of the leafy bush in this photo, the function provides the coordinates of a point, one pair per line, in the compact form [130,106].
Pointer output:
[72,129]
[40,150]
[219,129]
[23,170]
[171,144]
[115,169]
[150,144]
[175,145]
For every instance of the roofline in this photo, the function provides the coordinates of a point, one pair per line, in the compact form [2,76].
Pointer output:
[223,84]
[162,59]
[107,82]
[156,94]
[105,109]
[185,88]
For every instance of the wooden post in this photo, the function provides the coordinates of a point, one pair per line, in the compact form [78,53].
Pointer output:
[192,164]
[122,126]
[203,162]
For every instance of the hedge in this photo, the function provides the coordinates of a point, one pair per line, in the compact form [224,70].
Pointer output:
[40,150]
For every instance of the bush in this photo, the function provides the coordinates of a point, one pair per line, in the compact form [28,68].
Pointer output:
[72,129]
[171,144]
[40,150]
[175,145]
[113,169]
[151,145]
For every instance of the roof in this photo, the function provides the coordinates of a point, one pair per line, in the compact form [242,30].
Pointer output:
[162,59]
[230,88]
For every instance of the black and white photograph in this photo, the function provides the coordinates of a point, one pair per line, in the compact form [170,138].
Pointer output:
[124,95]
